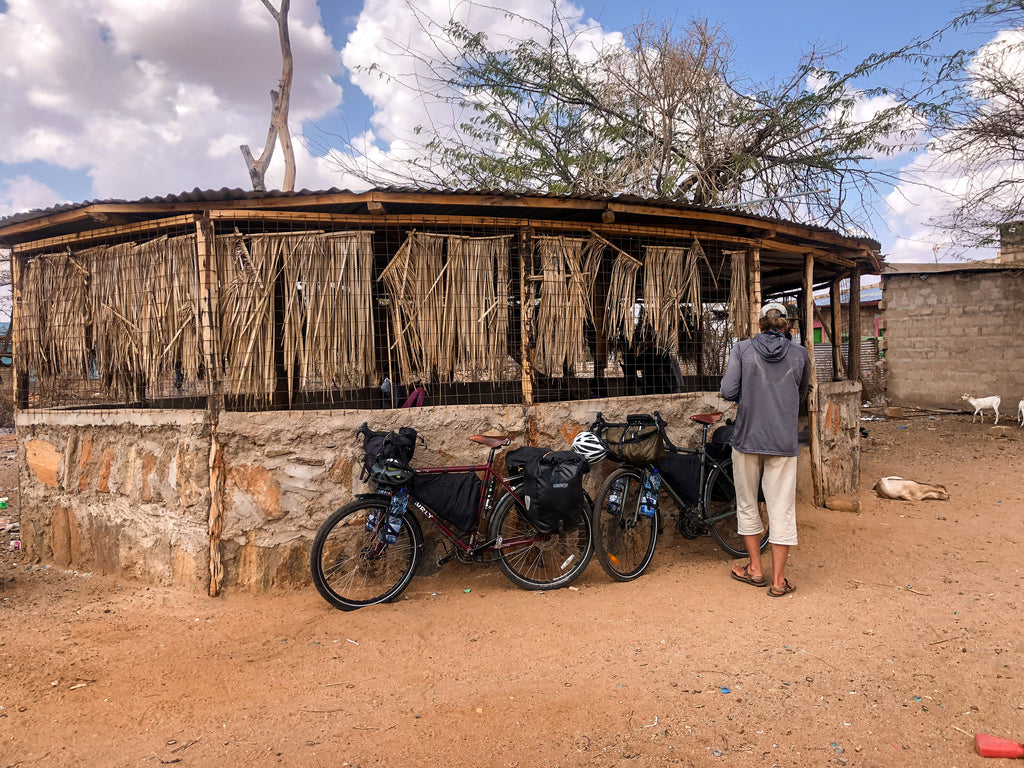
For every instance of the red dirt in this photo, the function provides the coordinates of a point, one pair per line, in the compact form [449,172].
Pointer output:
[902,639]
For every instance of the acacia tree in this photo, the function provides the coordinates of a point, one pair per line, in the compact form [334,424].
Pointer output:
[661,115]
[279,105]
[973,103]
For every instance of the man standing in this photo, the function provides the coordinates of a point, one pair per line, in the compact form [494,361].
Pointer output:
[767,376]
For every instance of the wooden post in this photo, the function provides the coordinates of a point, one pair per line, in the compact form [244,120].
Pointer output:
[525,313]
[817,468]
[209,326]
[21,384]
[854,348]
[836,299]
[215,521]
[208,312]
[754,286]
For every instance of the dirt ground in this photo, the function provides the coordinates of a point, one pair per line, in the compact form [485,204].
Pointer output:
[902,639]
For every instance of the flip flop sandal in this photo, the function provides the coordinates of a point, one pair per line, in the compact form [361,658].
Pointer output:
[746,578]
[786,589]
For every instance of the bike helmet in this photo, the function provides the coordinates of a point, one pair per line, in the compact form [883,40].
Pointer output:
[589,446]
[391,472]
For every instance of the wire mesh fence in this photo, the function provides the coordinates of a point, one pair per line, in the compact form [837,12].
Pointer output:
[271,312]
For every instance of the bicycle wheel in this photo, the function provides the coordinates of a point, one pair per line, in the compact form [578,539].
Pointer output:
[353,567]
[624,539]
[539,561]
[720,511]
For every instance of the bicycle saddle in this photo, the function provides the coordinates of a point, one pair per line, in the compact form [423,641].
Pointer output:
[492,441]
[707,418]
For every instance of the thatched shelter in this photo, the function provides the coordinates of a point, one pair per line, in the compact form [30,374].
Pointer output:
[208,354]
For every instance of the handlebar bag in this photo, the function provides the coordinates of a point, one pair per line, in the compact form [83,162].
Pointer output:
[553,490]
[634,443]
[398,446]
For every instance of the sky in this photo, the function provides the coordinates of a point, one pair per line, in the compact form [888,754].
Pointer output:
[125,99]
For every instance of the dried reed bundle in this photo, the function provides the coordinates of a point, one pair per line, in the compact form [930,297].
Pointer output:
[564,307]
[695,257]
[477,294]
[417,306]
[117,298]
[448,301]
[328,309]
[247,268]
[170,339]
[618,308]
[672,278]
[52,342]
[663,293]
[739,301]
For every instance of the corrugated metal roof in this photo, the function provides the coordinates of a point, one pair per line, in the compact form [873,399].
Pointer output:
[225,194]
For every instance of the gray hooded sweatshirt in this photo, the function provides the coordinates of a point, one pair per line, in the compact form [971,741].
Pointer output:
[767,376]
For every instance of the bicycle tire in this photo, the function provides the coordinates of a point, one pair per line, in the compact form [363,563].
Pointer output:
[352,567]
[624,540]
[720,511]
[548,561]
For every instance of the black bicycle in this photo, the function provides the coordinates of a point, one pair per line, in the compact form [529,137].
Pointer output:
[628,508]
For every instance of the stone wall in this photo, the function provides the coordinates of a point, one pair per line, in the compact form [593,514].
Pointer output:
[129,491]
[117,492]
[947,333]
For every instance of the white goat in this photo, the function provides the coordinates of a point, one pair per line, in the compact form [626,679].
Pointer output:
[981,403]
[1020,412]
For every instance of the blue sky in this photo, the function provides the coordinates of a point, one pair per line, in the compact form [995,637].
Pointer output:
[141,99]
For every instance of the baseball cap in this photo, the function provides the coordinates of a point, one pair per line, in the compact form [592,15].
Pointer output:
[780,308]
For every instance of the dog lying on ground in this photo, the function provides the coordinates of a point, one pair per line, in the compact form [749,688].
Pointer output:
[909,490]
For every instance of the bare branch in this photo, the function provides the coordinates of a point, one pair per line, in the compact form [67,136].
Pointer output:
[280,101]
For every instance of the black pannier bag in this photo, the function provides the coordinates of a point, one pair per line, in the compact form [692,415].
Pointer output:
[454,496]
[517,459]
[553,492]
[398,446]
[720,444]
[638,441]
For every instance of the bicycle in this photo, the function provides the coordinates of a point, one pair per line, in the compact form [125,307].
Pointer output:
[627,521]
[360,557]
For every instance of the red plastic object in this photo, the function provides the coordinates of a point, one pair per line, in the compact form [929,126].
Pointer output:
[994,746]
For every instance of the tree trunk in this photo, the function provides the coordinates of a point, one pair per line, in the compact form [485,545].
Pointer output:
[279,105]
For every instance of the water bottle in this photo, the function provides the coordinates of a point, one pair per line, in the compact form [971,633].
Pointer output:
[649,497]
[399,503]
[614,503]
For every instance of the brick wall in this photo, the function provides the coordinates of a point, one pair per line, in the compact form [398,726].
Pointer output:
[948,333]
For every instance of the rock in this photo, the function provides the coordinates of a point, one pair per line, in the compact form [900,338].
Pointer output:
[892,412]
[844,503]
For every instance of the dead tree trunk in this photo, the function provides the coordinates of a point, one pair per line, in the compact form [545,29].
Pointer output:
[279,104]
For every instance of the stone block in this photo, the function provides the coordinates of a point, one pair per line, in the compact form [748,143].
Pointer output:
[64,538]
[189,569]
[44,461]
[259,484]
[106,465]
[148,492]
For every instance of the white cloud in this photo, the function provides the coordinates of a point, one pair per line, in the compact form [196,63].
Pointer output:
[387,30]
[149,97]
[23,193]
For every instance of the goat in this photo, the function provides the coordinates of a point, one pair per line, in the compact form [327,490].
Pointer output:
[909,490]
[1020,412]
[981,403]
